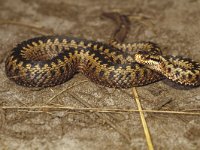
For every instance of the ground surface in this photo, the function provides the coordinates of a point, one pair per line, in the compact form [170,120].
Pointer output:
[174,25]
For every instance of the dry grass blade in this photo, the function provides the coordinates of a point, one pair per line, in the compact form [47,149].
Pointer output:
[75,84]
[93,109]
[146,130]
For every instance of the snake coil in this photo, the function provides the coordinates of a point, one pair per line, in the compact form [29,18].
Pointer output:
[51,60]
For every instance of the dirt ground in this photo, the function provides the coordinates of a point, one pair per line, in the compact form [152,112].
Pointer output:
[58,117]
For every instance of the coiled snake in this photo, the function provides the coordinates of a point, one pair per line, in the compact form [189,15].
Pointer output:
[52,60]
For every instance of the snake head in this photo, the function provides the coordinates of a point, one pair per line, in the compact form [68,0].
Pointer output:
[148,59]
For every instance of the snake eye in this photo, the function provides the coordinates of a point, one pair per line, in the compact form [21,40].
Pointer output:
[142,52]
[145,56]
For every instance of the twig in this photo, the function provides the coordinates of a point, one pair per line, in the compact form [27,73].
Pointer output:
[93,109]
[144,124]
[75,84]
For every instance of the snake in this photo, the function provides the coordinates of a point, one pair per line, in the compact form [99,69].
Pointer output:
[48,61]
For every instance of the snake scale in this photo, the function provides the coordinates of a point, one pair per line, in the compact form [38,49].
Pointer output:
[52,60]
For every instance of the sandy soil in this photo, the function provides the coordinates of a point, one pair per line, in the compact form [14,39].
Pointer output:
[174,25]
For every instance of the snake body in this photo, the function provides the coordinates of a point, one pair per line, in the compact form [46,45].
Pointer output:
[52,60]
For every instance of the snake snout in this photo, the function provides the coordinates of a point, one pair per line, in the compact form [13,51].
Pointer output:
[142,57]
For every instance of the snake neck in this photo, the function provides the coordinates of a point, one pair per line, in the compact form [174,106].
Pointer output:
[178,69]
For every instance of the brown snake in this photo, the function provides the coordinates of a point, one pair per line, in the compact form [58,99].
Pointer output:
[51,60]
